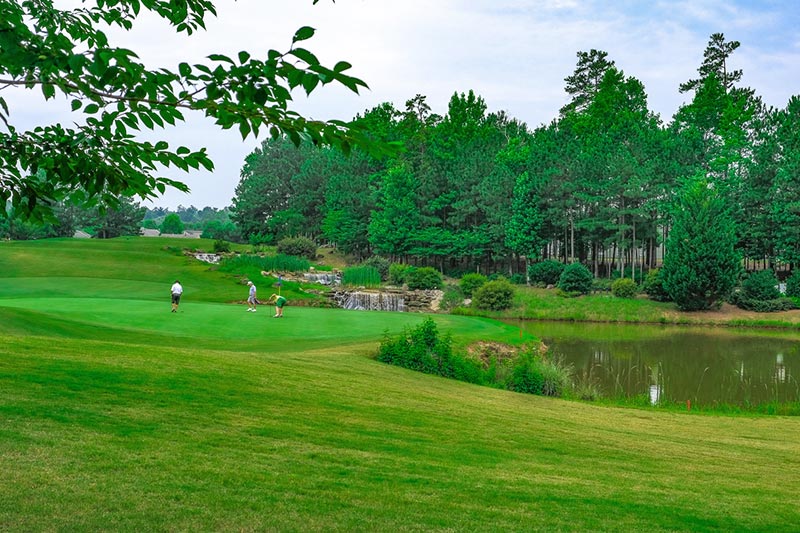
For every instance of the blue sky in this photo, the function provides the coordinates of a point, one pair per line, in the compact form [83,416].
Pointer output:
[513,53]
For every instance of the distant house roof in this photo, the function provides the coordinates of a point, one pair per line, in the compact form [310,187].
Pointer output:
[150,232]
[81,235]
[185,235]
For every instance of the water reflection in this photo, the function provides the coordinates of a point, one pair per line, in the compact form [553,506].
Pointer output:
[704,366]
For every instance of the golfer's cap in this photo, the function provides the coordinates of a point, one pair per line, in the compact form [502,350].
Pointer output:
[249,282]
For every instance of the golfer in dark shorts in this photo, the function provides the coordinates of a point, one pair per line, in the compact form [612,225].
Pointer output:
[280,301]
[176,291]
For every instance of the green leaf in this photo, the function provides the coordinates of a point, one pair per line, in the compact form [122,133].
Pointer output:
[305,55]
[185,69]
[341,66]
[243,57]
[91,109]
[76,104]
[220,57]
[306,32]
[310,82]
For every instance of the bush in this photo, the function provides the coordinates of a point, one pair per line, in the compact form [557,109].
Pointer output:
[533,374]
[380,264]
[298,246]
[281,263]
[739,299]
[453,297]
[575,278]
[365,276]
[518,279]
[654,286]
[624,288]
[602,284]
[494,295]
[424,350]
[221,246]
[761,285]
[397,273]
[471,282]
[546,272]
[423,278]
[793,284]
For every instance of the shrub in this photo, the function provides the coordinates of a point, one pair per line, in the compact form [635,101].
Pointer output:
[546,272]
[280,263]
[654,286]
[793,284]
[365,276]
[397,273]
[471,282]
[624,288]
[602,284]
[739,299]
[298,246]
[575,278]
[424,350]
[221,246]
[494,295]
[380,264]
[517,279]
[761,285]
[453,297]
[423,278]
[629,272]
[526,376]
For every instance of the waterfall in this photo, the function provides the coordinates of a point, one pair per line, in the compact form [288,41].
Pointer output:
[324,278]
[370,301]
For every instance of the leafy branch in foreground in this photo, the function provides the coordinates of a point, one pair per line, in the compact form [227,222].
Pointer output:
[65,53]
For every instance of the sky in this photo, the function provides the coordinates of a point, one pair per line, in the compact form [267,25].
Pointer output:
[515,54]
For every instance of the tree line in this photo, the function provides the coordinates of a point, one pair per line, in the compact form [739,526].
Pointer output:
[473,189]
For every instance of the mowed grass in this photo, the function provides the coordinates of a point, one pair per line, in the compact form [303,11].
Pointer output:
[116,414]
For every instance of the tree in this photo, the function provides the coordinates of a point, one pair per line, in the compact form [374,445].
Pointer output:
[66,52]
[701,265]
[715,62]
[582,85]
[172,225]
[125,218]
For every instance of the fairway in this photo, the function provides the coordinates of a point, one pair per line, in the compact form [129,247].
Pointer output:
[116,414]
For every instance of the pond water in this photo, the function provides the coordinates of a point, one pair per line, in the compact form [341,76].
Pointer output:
[706,366]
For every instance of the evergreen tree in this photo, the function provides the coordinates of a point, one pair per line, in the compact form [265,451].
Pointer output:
[701,265]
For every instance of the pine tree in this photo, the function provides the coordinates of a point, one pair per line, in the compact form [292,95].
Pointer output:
[701,265]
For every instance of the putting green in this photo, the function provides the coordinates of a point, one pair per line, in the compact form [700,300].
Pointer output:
[231,326]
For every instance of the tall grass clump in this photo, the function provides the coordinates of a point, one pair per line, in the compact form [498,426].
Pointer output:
[361,276]
[380,263]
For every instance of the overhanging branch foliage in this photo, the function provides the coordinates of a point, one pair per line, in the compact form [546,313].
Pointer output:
[65,53]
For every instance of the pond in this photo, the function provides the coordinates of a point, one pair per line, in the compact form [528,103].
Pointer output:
[676,364]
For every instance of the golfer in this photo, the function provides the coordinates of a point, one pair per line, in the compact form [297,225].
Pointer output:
[251,297]
[176,291]
[280,301]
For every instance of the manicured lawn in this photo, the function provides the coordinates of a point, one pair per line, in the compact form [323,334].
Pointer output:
[116,414]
